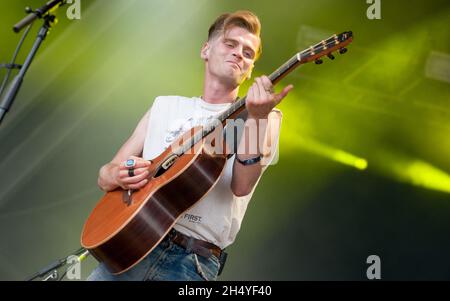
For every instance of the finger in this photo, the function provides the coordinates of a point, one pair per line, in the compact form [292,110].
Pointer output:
[139,171]
[283,93]
[267,91]
[259,89]
[138,185]
[135,179]
[139,159]
[251,93]
[139,162]
[134,159]
[267,83]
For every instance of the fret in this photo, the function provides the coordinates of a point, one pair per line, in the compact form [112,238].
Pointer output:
[274,75]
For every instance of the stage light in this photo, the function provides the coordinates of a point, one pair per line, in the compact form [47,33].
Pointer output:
[295,141]
[411,170]
[423,174]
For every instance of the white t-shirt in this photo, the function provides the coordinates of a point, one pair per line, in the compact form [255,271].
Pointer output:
[218,216]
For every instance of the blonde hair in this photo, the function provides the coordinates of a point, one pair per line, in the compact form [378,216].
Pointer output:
[242,18]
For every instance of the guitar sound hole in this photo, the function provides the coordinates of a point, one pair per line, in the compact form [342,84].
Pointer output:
[165,165]
[161,170]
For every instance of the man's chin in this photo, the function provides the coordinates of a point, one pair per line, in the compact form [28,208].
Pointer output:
[241,79]
[233,80]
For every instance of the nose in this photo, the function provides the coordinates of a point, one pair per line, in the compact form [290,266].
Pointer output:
[237,52]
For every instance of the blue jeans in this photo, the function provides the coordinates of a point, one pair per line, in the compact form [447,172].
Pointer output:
[167,261]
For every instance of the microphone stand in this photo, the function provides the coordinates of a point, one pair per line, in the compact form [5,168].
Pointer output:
[49,20]
[50,272]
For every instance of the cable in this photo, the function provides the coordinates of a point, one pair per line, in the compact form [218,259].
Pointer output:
[12,64]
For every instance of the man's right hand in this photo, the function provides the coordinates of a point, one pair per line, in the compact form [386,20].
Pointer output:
[141,171]
[115,173]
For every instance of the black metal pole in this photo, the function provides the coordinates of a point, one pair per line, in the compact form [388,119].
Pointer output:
[38,13]
[14,87]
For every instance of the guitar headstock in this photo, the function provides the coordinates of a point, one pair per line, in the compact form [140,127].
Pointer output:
[314,53]
[326,48]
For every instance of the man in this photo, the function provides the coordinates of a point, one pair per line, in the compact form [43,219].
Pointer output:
[193,250]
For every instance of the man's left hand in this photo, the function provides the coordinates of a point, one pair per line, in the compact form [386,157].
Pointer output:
[261,98]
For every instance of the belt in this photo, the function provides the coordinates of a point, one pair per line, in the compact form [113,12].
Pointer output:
[199,247]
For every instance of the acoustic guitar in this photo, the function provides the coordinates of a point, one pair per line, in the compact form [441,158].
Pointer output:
[127,225]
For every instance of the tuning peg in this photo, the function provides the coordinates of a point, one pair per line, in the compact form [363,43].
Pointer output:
[342,50]
[318,61]
[330,56]
[28,10]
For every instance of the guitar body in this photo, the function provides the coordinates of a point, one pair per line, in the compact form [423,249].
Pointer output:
[121,233]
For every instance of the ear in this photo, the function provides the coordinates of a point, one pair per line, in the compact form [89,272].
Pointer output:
[204,53]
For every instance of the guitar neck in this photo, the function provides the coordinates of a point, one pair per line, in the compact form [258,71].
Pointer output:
[313,53]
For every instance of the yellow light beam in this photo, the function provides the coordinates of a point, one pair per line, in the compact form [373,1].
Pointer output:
[292,139]
[423,174]
[411,170]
